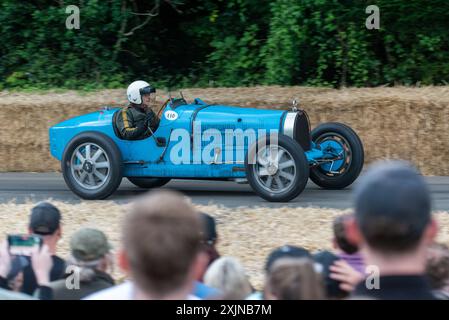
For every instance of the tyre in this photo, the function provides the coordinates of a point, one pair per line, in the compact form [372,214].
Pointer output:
[148,183]
[340,140]
[277,172]
[92,165]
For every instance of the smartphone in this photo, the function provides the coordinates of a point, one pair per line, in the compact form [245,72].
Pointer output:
[23,244]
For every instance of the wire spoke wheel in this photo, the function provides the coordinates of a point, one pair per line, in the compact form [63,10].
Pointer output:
[338,147]
[343,156]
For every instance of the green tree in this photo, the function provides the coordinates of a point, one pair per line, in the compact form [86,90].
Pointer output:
[282,50]
[223,43]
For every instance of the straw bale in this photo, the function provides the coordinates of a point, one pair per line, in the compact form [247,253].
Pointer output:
[410,123]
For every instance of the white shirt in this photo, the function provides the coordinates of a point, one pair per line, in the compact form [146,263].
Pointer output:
[124,291]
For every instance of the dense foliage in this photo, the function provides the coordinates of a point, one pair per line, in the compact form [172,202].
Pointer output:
[222,43]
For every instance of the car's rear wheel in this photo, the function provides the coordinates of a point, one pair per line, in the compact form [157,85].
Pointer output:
[344,143]
[148,183]
[92,165]
[277,172]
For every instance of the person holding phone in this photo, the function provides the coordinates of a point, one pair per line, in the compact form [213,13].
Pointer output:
[45,222]
[5,269]
[41,264]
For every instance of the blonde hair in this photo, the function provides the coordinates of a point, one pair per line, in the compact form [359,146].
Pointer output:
[229,276]
[294,279]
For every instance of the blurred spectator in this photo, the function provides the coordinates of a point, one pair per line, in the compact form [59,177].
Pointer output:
[293,279]
[41,264]
[203,291]
[161,250]
[286,251]
[90,254]
[437,269]
[209,241]
[347,251]
[338,276]
[229,276]
[15,276]
[210,237]
[5,270]
[45,221]
[11,295]
[393,225]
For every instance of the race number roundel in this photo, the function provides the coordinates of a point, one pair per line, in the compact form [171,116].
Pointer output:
[171,115]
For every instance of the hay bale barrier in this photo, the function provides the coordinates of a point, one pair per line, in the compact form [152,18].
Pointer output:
[246,233]
[398,122]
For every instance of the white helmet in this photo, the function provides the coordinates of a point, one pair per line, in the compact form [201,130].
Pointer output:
[137,89]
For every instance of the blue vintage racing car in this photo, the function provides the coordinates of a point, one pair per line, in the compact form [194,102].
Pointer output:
[273,150]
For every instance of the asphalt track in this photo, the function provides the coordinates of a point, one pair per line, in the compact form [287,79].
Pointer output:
[20,187]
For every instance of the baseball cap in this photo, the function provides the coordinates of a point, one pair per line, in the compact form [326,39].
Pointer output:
[45,219]
[325,259]
[286,251]
[88,244]
[210,229]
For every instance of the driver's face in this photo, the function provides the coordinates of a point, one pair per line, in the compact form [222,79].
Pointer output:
[149,99]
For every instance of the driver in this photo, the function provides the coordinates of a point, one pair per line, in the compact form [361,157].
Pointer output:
[137,120]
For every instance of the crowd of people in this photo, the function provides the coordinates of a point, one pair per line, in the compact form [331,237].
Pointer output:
[386,249]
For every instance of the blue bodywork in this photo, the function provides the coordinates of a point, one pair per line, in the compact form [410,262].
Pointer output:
[142,158]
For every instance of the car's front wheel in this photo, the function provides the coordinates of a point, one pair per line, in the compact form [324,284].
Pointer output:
[92,165]
[277,172]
